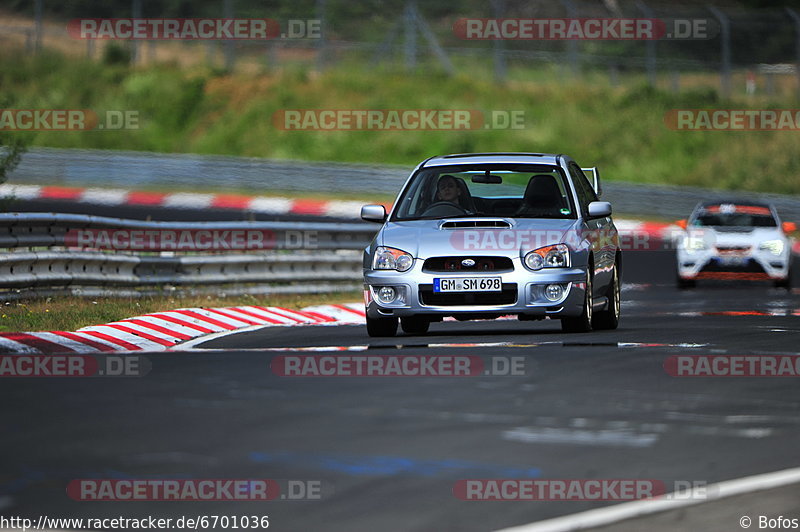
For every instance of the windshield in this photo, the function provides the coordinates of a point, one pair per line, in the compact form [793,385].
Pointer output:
[729,215]
[520,191]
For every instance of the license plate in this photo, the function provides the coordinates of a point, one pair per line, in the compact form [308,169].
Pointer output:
[734,260]
[467,284]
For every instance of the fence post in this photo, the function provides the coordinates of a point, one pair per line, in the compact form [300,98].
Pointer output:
[498,46]
[37,46]
[650,45]
[321,41]
[433,44]
[227,9]
[725,25]
[572,45]
[796,18]
[410,36]
[136,12]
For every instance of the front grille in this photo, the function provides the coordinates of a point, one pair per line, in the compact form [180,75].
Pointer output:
[482,264]
[749,266]
[725,250]
[507,296]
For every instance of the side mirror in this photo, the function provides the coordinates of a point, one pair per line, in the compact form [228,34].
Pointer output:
[599,209]
[789,227]
[683,224]
[373,213]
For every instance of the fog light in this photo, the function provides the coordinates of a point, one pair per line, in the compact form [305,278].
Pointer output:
[554,292]
[386,294]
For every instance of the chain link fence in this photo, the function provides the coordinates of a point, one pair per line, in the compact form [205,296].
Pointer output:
[746,50]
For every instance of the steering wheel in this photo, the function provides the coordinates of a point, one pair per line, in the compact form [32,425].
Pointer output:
[444,208]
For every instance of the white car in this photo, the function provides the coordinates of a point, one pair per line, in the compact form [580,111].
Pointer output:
[736,240]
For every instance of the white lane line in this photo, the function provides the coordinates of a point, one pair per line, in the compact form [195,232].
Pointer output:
[556,435]
[630,510]
[189,345]
[342,316]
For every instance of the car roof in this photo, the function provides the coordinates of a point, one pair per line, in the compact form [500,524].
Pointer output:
[484,158]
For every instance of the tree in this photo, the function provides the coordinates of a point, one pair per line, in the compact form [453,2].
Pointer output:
[11,149]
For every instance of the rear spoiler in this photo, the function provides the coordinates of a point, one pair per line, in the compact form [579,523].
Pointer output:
[593,175]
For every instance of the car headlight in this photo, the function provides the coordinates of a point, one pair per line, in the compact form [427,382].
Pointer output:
[773,246]
[694,244]
[386,258]
[555,256]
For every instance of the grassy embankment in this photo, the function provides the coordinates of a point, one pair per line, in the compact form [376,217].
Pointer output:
[202,111]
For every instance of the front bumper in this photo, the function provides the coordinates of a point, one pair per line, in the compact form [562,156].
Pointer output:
[527,298]
[753,265]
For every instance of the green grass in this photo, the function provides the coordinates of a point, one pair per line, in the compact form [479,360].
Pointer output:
[69,314]
[619,129]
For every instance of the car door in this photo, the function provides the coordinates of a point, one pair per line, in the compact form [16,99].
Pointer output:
[599,231]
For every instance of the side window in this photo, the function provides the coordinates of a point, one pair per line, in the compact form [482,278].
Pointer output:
[584,190]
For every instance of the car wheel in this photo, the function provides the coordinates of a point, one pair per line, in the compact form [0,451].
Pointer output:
[683,284]
[414,325]
[582,323]
[381,327]
[786,283]
[609,318]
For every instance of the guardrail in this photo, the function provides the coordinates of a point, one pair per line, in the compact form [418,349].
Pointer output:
[285,259]
[109,168]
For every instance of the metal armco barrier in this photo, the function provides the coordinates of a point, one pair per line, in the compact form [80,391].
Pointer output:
[330,260]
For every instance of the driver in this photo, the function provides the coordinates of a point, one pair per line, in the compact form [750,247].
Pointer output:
[448,190]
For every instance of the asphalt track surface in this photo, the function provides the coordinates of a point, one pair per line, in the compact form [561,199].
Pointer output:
[389,450]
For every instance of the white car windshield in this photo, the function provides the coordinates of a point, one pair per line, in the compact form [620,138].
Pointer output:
[730,215]
[518,191]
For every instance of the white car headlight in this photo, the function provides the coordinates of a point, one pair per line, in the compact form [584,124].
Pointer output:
[775,247]
[387,258]
[555,256]
[691,244]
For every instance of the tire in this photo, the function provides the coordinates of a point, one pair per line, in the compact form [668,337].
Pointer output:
[582,323]
[414,325]
[381,327]
[785,283]
[609,319]
[683,284]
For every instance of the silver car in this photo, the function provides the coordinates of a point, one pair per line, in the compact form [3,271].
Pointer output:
[484,235]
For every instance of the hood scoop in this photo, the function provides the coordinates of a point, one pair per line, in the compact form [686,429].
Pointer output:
[476,224]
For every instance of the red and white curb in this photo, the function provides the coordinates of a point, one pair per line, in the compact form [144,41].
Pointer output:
[258,204]
[185,200]
[162,331]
